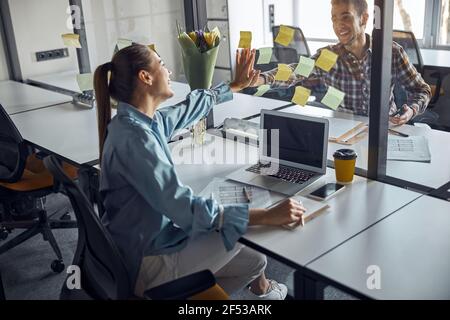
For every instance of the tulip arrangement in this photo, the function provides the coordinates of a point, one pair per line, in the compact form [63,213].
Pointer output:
[199,50]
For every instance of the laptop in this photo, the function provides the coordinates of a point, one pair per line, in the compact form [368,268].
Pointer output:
[292,153]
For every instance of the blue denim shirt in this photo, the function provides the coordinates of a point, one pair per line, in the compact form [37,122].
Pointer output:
[148,209]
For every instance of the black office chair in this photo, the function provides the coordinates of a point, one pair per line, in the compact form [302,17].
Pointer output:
[103,272]
[298,43]
[409,42]
[24,184]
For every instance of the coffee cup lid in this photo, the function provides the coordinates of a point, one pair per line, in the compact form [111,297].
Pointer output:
[345,154]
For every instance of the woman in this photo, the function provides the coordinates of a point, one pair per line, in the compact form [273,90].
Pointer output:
[161,228]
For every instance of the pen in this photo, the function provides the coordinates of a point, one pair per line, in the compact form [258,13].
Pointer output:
[246,194]
[398,133]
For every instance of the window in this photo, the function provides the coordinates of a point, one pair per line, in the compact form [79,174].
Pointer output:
[311,11]
[409,15]
[444,23]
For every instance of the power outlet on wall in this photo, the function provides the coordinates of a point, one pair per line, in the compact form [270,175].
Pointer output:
[52,54]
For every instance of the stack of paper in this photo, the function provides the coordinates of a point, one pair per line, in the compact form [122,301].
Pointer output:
[227,192]
[413,148]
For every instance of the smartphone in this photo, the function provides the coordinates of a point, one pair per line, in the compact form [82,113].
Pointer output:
[327,191]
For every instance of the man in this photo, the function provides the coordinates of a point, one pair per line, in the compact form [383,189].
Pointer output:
[351,73]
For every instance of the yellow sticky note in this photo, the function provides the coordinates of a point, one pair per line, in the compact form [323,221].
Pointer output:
[326,60]
[261,90]
[301,96]
[152,47]
[123,43]
[333,98]
[284,72]
[246,40]
[285,36]
[305,66]
[71,40]
[265,55]
[85,81]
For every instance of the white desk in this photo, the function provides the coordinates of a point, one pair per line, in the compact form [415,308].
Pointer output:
[411,247]
[361,205]
[436,59]
[65,80]
[68,81]
[242,105]
[17,97]
[434,174]
[66,130]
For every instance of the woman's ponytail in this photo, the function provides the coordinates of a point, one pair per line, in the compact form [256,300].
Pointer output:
[103,100]
[120,85]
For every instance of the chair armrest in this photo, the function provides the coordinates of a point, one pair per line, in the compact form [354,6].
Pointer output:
[437,92]
[41,155]
[182,288]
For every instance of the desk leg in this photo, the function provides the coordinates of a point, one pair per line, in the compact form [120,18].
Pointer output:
[306,288]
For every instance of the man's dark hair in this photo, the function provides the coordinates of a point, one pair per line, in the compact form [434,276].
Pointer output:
[360,5]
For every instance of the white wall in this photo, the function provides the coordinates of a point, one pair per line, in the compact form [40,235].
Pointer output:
[143,21]
[38,26]
[3,68]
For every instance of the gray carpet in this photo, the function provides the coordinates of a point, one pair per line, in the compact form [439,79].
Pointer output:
[27,275]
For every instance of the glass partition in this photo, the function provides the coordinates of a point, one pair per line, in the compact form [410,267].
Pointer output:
[142,21]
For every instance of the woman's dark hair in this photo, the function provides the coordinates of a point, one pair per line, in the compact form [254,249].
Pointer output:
[122,73]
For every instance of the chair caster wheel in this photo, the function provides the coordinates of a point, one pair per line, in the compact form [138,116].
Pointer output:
[58,266]
[4,234]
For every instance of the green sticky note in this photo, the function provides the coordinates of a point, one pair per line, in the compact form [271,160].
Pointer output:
[333,98]
[262,90]
[123,43]
[305,66]
[85,81]
[265,55]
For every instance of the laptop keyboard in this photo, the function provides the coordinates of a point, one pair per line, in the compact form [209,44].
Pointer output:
[289,174]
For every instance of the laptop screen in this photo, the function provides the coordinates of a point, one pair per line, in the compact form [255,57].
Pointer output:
[300,141]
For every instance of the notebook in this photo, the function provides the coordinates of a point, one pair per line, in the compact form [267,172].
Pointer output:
[313,210]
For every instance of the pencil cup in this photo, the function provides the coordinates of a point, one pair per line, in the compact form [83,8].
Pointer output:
[344,164]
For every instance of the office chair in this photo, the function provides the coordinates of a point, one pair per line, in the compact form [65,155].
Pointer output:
[24,184]
[103,272]
[409,43]
[299,42]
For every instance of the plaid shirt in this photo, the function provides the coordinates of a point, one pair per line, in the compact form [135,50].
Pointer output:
[352,76]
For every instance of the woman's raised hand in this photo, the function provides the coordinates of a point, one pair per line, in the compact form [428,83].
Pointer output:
[245,75]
